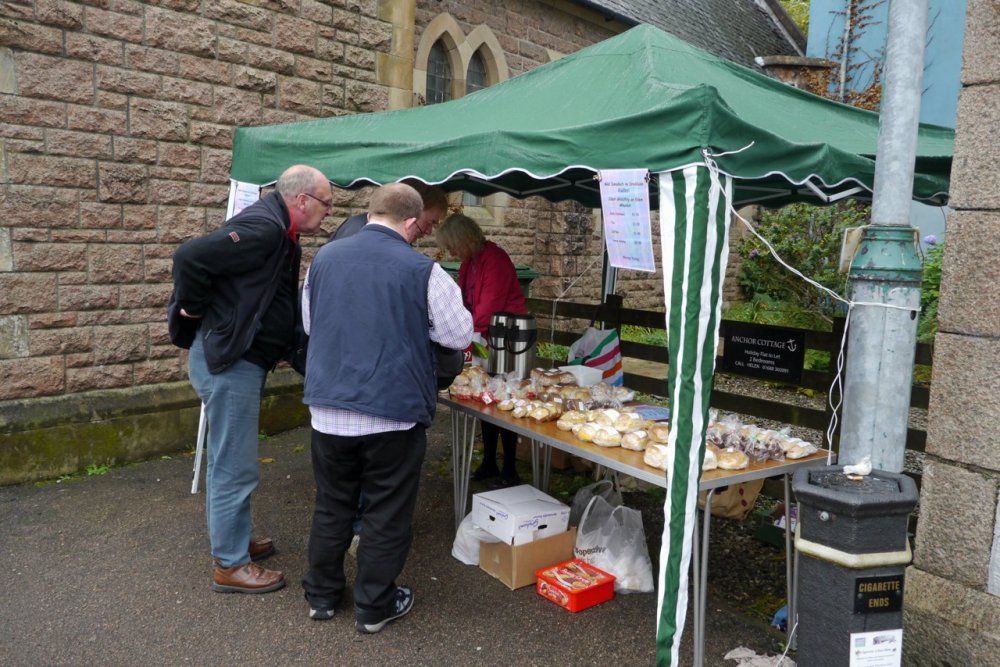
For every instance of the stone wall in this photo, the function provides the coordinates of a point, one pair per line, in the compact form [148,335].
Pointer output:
[117,123]
[952,608]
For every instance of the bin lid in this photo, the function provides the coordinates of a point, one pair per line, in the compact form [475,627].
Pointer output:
[880,492]
[525,272]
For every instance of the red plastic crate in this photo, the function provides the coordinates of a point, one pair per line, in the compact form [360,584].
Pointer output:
[574,584]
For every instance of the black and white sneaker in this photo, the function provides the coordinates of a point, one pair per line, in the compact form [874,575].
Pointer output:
[320,614]
[401,606]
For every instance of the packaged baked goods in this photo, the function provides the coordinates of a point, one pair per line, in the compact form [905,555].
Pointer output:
[732,459]
[507,404]
[635,440]
[623,394]
[569,419]
[608,436]
[655,455]
[710,462]
[659,432]
[586,432]
[796,448]
[606,417]
[629,421]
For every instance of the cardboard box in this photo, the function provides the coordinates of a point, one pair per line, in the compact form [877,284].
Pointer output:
[516,566]
[519,514]
[575,585]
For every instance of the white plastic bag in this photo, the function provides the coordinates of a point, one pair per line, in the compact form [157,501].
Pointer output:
[467,539]
[606,488]
[612,539]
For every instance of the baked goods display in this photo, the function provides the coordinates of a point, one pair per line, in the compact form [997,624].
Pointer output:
[599,414]
[757,444]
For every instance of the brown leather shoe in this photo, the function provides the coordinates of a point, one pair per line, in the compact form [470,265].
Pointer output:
[248,578]
[261,548]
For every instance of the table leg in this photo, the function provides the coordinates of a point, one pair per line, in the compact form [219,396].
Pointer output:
[696,639]
[702,602]
[463,439]
[547,469]
[536,474]
[790,570]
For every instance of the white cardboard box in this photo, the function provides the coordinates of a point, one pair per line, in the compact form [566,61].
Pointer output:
[519,514]
[585,375]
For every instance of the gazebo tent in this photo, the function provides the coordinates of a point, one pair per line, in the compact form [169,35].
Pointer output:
[712,133]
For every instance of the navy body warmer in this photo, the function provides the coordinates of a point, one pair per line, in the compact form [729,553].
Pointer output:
[369,347]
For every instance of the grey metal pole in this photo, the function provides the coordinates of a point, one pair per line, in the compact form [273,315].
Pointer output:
[887,266]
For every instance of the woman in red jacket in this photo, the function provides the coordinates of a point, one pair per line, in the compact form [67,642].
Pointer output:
[489,285]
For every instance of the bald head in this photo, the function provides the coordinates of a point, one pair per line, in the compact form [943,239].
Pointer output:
[307,195]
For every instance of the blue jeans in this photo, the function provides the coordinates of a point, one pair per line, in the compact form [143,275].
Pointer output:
[232,408]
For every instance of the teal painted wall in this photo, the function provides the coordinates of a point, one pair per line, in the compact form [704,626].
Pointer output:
[942,55]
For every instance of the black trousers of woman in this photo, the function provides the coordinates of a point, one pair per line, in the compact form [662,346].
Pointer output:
[488,468]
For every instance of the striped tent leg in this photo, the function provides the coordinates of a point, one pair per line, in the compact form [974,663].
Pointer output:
[694,238]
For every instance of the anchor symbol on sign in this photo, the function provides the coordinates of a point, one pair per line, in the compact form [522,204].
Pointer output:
[791,345]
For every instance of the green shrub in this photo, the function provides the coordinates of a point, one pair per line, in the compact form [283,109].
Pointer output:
[930,291]
[809,239]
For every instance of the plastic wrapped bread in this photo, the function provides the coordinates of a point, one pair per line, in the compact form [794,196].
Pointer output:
[635,440]
[659,432]
[655,455]
[608,436]
[710,462]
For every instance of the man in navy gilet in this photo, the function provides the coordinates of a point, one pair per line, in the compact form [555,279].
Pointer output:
[372,305]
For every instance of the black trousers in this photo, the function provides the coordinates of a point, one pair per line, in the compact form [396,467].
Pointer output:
[385,467]
[491,432]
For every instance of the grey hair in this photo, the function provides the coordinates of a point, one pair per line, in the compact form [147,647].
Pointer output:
[298,179]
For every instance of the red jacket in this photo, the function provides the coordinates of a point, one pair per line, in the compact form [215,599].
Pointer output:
[489,285]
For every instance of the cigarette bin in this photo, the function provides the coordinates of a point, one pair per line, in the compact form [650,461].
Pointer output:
[852,549]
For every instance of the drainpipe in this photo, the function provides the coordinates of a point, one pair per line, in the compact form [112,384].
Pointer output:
[887,267]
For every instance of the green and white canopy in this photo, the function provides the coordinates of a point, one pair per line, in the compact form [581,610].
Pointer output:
[643,99]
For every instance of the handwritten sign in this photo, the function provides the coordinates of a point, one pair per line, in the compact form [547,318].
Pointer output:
[241,195]
[625,205]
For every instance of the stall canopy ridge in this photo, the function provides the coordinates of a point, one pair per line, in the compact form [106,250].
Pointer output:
[642,99]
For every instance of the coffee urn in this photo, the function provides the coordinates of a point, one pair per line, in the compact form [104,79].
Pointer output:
[512,341]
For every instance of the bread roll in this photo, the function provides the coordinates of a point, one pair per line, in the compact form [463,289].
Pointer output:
[659,432]
[586,432]
[506,405]
[710,462]
[732,459]
[635,440]
[608,437]
[629,421]
[655,455]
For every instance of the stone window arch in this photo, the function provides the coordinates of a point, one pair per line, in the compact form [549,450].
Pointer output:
[476,61]
[439,74]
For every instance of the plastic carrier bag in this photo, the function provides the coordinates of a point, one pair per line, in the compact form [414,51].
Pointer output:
[612,539]
[467,540]
[606,488]
[599,348]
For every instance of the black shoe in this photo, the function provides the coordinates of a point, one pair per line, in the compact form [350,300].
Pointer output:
[402,603]
[481,473]
[318,614]
[507,480]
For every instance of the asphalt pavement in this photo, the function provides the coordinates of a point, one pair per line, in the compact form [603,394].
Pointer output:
[114,569]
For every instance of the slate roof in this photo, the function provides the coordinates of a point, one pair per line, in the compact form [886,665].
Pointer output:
[738,30]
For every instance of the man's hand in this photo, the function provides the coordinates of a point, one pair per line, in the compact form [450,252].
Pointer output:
[185,313]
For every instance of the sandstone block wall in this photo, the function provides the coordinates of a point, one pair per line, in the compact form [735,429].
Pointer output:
[951,609]
[116,123]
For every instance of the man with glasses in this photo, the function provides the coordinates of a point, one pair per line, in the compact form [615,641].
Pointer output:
[435,207]
[234,305]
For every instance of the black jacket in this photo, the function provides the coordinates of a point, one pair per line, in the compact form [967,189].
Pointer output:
[243,280]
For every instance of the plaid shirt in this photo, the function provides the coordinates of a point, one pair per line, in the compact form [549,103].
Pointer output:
[451,326]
